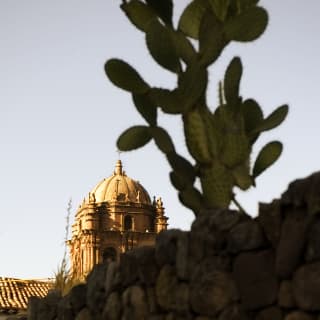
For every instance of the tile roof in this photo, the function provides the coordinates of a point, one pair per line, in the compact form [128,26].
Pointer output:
[15,293]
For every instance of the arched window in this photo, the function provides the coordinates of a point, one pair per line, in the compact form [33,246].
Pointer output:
[109,254]
[128,223]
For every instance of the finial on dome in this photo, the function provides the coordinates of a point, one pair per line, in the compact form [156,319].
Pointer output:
[118,168]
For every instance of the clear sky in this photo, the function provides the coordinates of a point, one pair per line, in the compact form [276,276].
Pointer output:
[60,116]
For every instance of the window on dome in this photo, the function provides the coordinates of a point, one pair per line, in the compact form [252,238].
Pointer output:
[121,197]
[128,223]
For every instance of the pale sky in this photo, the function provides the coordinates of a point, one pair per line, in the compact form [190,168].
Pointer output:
[60,116]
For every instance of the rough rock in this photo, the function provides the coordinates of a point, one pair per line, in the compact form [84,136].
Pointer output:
[285,295]
[182,255]
[175,316]
[33,307]
[96,294]
[271,313]
[172,294]
[255,278]
[304,193]
[84,314]
[78,297]
[65,309]
[233,312]
[298,315]
[291,244]
[111,277]
[166,247]
[112,310]
[134,303]
[128,268]
[270,219]
[245,236]
[48,309]
[211,291]
[147,267]
[306,287]
[152,300]
[312,251]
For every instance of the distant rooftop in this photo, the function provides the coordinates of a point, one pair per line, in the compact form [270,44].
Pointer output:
[15,293]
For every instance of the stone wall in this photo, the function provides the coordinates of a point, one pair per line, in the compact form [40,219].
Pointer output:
[228,267]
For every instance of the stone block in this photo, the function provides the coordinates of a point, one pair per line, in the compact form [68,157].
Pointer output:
[134,304]
[112,309]
[78,296]
[245,236]
[84,314]
[171,294]
[166,246]
[211,291]
[312,251]
[271,313]
[147,266]
[285,295]
[233,312]
[291,244]
[96,294]
[270,219]
[298,315]
[306,287]
[255,278]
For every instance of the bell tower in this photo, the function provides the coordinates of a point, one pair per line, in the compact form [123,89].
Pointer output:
[116,216]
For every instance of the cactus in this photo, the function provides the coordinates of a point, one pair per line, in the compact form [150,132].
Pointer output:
[220,140]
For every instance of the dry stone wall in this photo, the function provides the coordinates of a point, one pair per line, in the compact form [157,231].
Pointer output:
[228,267]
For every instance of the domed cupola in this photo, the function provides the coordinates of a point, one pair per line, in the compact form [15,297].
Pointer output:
[119,188]
[116,216]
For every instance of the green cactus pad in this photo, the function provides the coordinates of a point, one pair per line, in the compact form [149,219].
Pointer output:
[217,183]
[252,115]
[267,157]
[273,120]
[178,181]
[164,9]
[182,166]
[161,46]
[191,17]
[220,8]
[169,101]
[125,77]
[213,133]
[192,199]
[232,81]
[248,25]
[196,137]
[241,175]
[184,47]
[162,139]
[192,85]
[211,38]
[146,107]
[134,138]
[235,149]
[139,14]
[238,6]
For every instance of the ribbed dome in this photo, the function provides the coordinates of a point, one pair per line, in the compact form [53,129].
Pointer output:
[119,187]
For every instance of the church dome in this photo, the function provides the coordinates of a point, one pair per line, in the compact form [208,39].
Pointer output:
[119,187]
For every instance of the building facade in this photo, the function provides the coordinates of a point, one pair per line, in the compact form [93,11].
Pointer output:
[116,216]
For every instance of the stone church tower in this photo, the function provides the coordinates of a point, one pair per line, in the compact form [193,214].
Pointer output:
[116,216]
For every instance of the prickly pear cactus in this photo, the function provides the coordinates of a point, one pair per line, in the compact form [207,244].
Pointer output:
[219,139]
